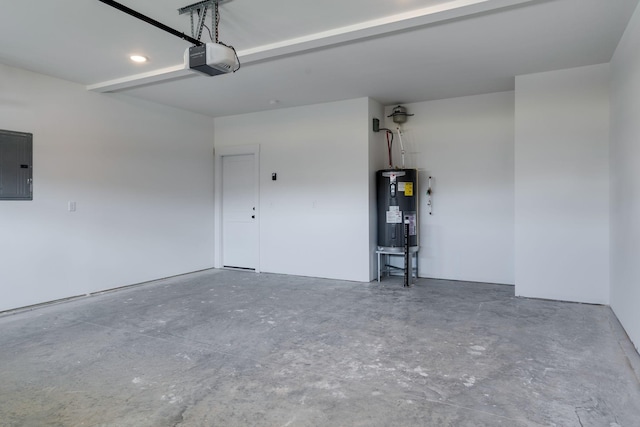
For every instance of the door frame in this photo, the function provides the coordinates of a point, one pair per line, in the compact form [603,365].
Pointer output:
[219,153]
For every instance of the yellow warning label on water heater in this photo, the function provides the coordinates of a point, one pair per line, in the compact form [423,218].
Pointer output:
[408,188]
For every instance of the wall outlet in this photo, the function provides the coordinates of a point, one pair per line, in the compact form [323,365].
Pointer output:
[72,206]
[376,125]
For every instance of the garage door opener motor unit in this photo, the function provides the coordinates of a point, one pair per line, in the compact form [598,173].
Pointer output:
[211,59]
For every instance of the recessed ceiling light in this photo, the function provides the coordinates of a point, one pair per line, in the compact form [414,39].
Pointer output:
[139,58]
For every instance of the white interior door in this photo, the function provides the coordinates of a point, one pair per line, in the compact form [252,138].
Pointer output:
[239,216]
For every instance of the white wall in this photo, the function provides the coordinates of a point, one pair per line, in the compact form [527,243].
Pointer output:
[625,180]
[314,220]
[466,145]
[562,185]
[142,178]
[376,162]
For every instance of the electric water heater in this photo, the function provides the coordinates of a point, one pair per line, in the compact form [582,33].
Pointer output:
[397,203]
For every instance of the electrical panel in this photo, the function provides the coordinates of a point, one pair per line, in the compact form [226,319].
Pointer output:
[16,165]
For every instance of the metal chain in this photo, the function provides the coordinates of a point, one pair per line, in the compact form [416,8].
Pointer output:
[193,30]
[216,17]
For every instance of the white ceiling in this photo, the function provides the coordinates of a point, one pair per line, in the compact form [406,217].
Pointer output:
[301,52]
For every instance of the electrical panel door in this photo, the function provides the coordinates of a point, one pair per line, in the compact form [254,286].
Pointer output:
[16,165]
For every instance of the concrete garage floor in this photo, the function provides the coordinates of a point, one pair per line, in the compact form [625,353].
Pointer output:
[225,348]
